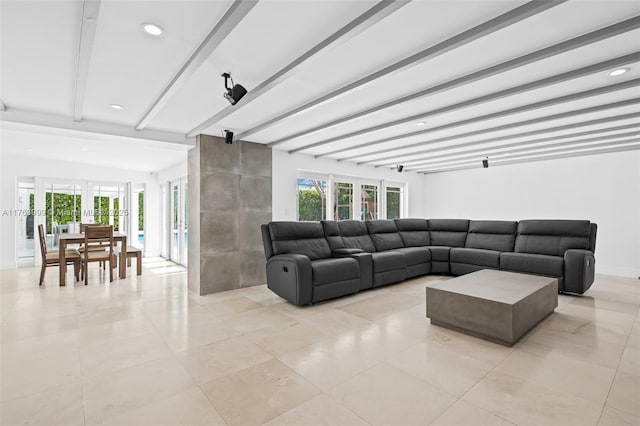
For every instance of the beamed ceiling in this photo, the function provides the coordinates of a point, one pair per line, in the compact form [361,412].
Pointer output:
[434,85]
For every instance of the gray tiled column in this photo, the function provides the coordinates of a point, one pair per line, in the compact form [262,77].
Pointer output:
[230,198]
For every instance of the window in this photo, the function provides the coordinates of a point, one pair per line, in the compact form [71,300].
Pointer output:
[136,213]
[368,202]
[63,204]
[342,200]
[108,205]
[312,199]
[325,196]
[26,233]
[394,202]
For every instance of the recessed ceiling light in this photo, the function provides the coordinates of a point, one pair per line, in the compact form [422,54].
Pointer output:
[90,19]
[152,29]
[84,149]
[421,123]
[618,72]
[29,150]
[116,106]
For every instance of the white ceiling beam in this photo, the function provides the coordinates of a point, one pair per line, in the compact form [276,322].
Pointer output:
[499,114]
[50,120]
[528,87]
[515,15]
[532,152]
[2,106]
[522,147]
[547,52]
[631,146]
[528,152]
[232,17]
[429,153]
[90,12]
[378,12]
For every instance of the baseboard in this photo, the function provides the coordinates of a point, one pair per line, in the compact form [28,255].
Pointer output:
[619,271]
[8,265]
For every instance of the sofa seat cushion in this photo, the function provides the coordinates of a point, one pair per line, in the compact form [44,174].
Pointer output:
[539,264]
[471,256]
[439,253]
[388,261]
[415,255]
[333,270]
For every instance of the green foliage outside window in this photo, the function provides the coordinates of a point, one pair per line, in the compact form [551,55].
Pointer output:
[393,203]
[312,199]
[101,210]
[116,218]
[310,205]
[141,210]
[61,210]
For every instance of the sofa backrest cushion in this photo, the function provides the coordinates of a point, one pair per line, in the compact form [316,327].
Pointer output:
[299,237]
[384,234]
[499,235]
[354,234]
[448,232]
[552,237]
[414,232]
[332,234]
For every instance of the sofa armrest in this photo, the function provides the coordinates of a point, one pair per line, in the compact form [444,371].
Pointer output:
[365,263]
[290,277]
[579,270]
[346,251]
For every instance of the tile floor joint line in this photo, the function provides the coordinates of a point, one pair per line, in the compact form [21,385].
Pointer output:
[604,404]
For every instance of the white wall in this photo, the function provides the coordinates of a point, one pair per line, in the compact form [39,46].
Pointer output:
[602,188]
[176,171]
[287,166]
[13,166]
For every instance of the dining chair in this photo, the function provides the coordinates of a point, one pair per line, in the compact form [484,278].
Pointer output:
[53,259]
[97,247]
[98,236]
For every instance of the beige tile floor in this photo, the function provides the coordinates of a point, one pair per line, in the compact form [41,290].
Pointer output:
[141,351]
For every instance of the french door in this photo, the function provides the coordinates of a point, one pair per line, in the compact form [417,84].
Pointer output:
[179,229]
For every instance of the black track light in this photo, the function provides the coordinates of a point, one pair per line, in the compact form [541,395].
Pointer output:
[234,92]
[485,163]
[228,137]
[399,168]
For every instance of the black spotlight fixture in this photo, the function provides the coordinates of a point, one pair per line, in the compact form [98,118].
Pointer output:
[485,163]
[399,168]
[228,137]
[234,92]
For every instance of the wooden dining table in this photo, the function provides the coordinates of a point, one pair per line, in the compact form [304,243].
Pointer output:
[78,238]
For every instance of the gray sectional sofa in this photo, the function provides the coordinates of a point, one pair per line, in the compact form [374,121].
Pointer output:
[308,262]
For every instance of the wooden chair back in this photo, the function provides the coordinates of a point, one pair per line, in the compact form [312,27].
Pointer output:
[43,243]
[84,225]
[101,236]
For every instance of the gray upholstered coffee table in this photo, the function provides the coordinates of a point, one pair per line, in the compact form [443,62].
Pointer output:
[494,305]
